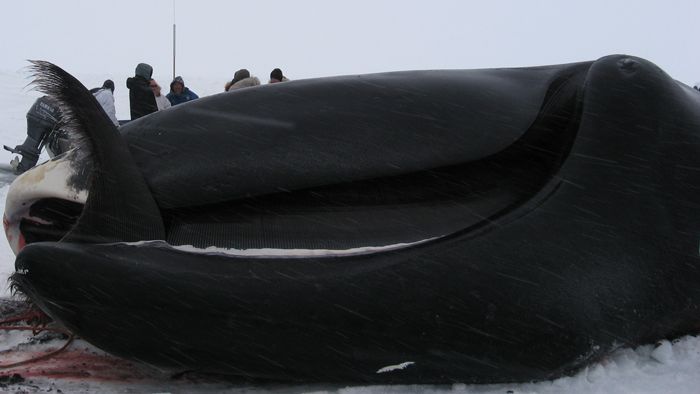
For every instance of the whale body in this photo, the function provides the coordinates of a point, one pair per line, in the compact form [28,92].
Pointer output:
[493,225]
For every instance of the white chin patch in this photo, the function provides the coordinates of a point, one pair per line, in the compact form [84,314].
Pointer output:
[47,180]
[285,253]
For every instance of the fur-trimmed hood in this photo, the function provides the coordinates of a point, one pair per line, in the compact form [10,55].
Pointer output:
[244,83]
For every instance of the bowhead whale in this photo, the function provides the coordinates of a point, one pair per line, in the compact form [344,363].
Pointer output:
[493,225]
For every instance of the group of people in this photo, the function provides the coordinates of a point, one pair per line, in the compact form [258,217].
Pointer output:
[145,95]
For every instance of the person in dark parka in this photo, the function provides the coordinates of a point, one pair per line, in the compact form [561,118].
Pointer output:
[141,98]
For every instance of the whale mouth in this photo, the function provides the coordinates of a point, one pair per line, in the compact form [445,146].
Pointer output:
[352,218]
[43,203]
[370,215]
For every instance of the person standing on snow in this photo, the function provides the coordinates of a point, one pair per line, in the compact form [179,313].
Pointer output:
[142,101]
[105,96]
[179,93]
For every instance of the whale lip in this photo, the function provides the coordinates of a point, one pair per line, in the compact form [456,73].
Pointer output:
[272,253]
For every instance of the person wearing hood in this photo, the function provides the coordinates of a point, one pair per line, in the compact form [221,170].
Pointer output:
[141,98]
[277,76]
[179,93]
[105,96]
[241,79]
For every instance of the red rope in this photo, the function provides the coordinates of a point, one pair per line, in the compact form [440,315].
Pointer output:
[39,320]
[28,315]
[22,328]
[39,358]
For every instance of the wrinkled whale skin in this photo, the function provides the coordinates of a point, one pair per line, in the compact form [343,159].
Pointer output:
[590,242]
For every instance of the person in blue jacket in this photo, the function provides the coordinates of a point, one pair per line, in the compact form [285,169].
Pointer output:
[179,93]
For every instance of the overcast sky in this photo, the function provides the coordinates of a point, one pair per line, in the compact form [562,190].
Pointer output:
[308,38]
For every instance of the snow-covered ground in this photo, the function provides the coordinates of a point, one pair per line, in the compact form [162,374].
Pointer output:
[665,368]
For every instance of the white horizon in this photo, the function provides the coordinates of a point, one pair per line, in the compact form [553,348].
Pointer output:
[315,38]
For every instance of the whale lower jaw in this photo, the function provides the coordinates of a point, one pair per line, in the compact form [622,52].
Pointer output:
[38,194]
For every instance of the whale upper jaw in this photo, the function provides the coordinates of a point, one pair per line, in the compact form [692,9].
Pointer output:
[48,181]
[422,198]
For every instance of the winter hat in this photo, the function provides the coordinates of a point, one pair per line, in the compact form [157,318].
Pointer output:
[239,75]
[276,74]
[109,84]
[144,70]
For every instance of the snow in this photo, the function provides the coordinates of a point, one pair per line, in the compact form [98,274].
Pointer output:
[663,368]
[625,371]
